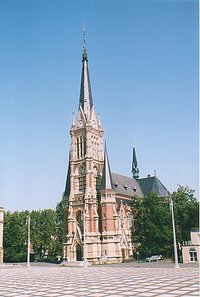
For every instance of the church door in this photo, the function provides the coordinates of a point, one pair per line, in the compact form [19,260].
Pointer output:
[79,253]
[123,255]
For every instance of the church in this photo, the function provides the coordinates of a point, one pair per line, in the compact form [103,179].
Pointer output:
[97,211]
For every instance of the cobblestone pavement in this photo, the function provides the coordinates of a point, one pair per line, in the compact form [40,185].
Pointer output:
[98,281]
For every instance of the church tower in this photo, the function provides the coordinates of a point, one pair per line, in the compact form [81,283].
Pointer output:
[97,203]
[83,177]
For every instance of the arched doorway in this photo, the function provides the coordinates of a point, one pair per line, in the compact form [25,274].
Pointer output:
[79,252]
[123,254]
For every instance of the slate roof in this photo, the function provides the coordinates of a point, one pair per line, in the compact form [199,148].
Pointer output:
[126,185]
[153,185]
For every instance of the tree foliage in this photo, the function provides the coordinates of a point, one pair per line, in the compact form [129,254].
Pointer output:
[152,232]
[46,234]
[15,235]
[186,212]
[152,227]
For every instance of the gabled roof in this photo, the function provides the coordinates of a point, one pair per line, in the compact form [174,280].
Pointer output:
[153,185]
[126,185]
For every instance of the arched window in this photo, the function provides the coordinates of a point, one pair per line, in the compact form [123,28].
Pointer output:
[82,179]
[77,147]
[81,170]
[85,151]
[79,220]
[81,145]
[96,178]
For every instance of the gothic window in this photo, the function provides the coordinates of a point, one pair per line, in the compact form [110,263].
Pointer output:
[77,147]
[81,170]
[85,147]
[92,148]
[81,184]
[81,145]
[82,179]
[96,178]
[122,218]
[79,220]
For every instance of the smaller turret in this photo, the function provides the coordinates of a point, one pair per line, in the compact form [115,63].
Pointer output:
[107,182]
[135,169]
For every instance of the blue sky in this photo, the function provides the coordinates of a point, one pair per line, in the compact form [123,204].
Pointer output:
[143,62]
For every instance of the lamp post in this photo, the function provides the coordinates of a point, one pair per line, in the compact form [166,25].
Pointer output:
[84,235]
[174,233]
[28,245]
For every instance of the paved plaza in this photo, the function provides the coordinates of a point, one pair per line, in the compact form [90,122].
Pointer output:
[98,281]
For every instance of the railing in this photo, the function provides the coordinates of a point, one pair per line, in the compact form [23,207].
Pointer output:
[186,243]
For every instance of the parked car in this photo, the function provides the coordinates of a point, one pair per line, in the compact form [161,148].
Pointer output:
[154,258]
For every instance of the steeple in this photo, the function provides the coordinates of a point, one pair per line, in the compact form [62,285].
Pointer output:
[135,169]
[67,187]
[85,100]
[106,182]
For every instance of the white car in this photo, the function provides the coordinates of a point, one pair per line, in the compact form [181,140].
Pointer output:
[155,258]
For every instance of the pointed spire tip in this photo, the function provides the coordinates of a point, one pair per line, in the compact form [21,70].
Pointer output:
[84,55]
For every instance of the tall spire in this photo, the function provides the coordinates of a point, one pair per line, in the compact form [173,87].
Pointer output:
[135,169]
[106,182]
[85,101]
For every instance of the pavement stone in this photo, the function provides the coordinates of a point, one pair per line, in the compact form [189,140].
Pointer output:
[98,281]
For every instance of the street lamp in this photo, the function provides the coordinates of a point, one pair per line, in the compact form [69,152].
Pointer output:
[84,235]
[174,232]
[29,242]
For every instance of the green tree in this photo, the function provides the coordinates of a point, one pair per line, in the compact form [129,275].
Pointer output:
[59,226]
[186,212]
[152,225]
[46,234]
[15,236]
[43,230]
[152,232]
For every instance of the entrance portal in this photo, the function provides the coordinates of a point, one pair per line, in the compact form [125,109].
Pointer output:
[123,254]
[79,253]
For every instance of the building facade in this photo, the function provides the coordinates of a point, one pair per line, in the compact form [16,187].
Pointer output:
[1,233]
[97,212]
[191,249]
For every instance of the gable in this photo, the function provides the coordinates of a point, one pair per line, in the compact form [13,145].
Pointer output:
[153,185]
